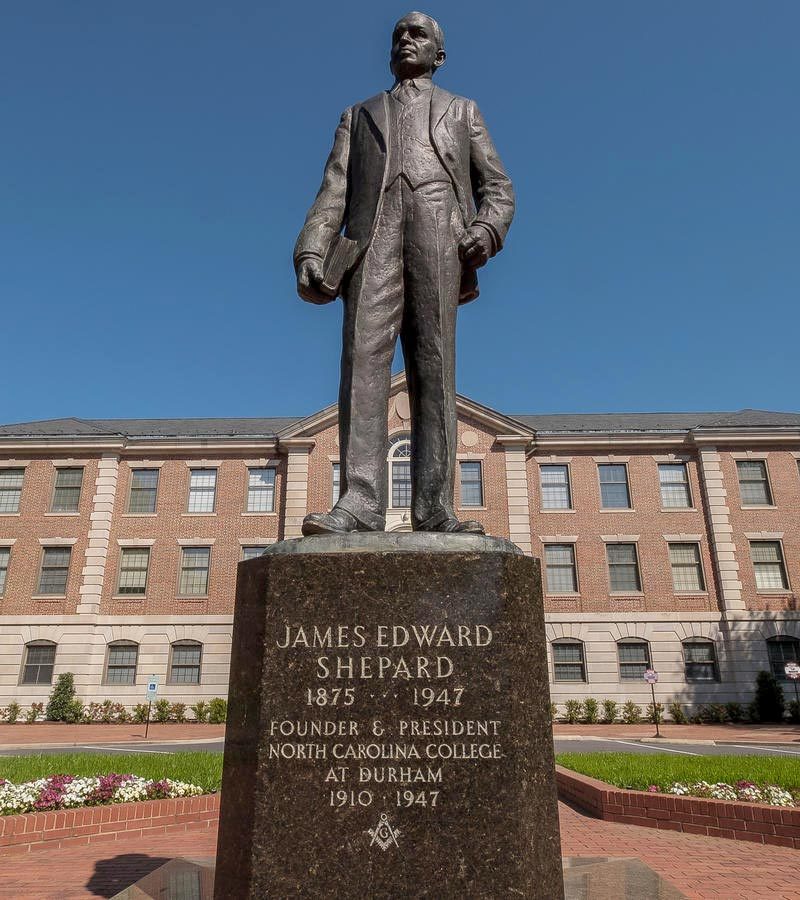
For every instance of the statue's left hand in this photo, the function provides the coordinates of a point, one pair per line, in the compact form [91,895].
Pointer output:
[475,248]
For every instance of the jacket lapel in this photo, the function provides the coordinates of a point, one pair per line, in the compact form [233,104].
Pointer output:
[440,101]
[376,109]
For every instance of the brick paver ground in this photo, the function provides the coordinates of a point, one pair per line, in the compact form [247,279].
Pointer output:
[701,867]
[21,735]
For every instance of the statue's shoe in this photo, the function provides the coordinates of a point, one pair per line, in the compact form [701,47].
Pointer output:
[453,526]
[337,521]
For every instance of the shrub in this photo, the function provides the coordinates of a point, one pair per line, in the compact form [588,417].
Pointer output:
[61,698]
[677,714]
[769,698]
[121,714]
[572,711]
[11,712]
[140,713]
[794,712]
[217,711]
[631,713]
[34,712]
[74,711]
[177,712]
[713,713]
[91,713]
[591,711]
[735,711]
[655,710]
[162,710]
[610,711]
[106,712]
[553,713]
[200,710]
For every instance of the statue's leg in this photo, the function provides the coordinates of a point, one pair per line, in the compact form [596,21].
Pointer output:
[372,314]
[432,273]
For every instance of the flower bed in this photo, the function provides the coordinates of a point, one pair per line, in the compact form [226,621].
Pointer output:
[738,819]
[68,792]
[745,791]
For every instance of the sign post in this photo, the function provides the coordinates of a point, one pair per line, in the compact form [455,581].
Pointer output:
[792,670]
[152,691]
[651,677]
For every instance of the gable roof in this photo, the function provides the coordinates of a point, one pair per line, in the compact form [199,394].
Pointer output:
[149,428]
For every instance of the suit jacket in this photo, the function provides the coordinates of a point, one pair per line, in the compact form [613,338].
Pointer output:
[354,179]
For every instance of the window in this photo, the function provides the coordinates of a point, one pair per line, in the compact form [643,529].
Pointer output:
[634,659]
[614,492]
[770,572]
[5,556]
[252,552]
[687,570]
[184,664]
[121,666]
[336,475]
[400,471]
[623,568]
[144,489]
[674,483]
[560,568]
[471,484]
[67,493]
[133,563]
[700,660]
[202,490]
[10,489]
[261,490]
[568,661]
[55,568]
[554,481]
[40,656]
[753,483]
[781,650]
[194,571]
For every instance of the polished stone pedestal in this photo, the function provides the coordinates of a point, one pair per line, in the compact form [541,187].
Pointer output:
[585,878]
[389,724]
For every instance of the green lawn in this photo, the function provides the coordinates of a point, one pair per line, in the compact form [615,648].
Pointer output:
[203,769]
[637,770]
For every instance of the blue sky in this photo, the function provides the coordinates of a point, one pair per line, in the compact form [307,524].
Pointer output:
[158,159]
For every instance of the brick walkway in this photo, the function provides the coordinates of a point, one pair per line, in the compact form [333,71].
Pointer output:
[701,867]
[57,733]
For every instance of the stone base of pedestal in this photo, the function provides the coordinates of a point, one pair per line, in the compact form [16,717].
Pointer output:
[389,724]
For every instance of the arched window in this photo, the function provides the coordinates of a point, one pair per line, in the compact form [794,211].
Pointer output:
[400,470]
[121,662]
[38,662]
[634,658]
[700,660]
[184,662]
[569,662]
[781,650]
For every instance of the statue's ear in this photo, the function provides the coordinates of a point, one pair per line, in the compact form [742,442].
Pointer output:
[438,62]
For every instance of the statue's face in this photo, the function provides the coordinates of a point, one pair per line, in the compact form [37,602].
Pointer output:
[415,50]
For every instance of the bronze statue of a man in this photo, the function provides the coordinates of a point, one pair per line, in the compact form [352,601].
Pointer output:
[416,185]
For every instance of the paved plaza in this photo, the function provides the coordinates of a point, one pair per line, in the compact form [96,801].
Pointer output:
[701,867]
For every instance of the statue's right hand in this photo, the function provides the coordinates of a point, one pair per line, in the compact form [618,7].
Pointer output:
[309,281]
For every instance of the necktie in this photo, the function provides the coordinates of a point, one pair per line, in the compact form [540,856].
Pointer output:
[406,91]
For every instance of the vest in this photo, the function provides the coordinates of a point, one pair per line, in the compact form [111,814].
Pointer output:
[410,150]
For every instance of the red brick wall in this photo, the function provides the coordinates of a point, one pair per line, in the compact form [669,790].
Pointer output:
[35,522]
[647,519]
[693,815]
[783,516]
[101,824]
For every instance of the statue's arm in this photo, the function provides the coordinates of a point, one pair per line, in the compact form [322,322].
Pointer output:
[494,195]
[324,219]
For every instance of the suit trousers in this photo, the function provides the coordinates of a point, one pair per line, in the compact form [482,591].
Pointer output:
[406,285]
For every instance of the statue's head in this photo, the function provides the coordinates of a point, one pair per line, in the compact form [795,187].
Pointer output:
[417,46]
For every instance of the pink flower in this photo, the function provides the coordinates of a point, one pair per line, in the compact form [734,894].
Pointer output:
[654,789]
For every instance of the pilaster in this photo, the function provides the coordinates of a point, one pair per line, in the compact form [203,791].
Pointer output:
[94,569]
[519,513]
[298,450]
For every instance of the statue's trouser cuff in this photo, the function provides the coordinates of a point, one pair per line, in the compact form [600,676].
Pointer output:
[433,522]
[367,520]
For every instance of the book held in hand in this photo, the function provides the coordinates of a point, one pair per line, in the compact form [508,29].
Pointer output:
[340,258]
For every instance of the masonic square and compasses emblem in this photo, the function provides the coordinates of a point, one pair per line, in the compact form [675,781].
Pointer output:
[384,835]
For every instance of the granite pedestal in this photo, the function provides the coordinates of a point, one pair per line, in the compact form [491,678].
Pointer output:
[389,725]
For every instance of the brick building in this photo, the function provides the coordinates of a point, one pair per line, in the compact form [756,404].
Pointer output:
[670,540]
